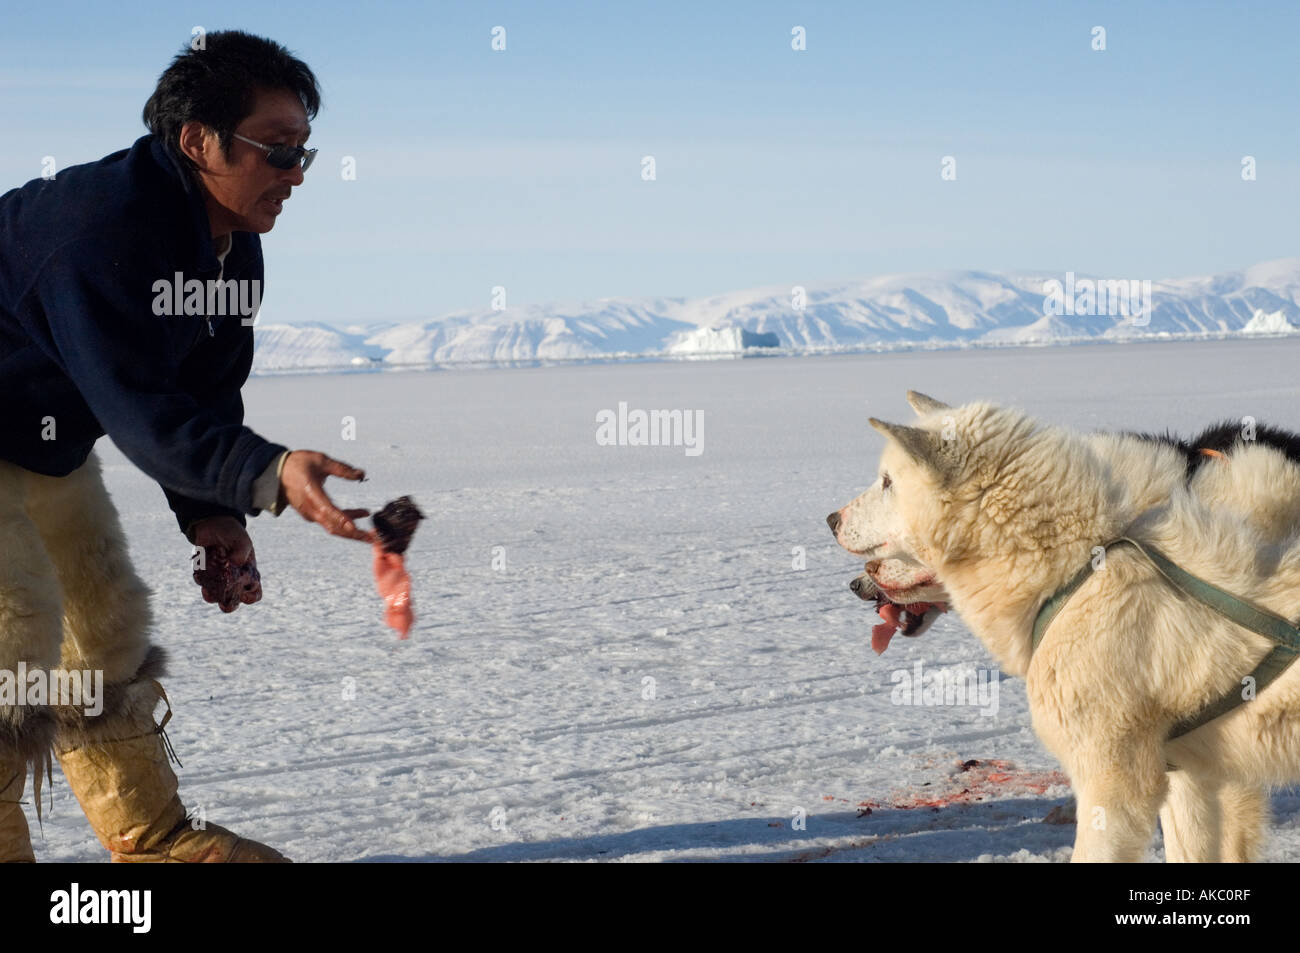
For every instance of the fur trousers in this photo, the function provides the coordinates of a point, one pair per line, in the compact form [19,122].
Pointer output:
[69,599]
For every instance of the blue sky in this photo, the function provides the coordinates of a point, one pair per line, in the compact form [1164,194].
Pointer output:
[522,168]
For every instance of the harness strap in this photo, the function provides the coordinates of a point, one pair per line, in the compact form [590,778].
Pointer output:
[1275,663]
[1256,618]
[1056,603]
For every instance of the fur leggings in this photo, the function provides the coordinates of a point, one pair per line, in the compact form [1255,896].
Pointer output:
[69,597]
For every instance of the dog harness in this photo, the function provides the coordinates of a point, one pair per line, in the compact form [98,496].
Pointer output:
[1266,623]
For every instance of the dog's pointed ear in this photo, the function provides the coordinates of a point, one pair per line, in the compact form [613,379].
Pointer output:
[924,404]
[922,445]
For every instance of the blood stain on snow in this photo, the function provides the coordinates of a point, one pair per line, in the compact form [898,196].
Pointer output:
[973,781]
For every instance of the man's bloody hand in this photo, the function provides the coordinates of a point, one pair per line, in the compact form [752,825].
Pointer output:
[229,575]
[302,485]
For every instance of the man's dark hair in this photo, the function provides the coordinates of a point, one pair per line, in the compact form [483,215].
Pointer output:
[218,84]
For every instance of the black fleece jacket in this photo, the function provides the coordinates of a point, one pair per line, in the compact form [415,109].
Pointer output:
[87,262]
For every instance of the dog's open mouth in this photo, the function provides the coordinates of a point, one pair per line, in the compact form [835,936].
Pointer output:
[909,618]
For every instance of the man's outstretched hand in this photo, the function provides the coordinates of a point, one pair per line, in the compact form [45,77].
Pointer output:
[229,576]
[302,487]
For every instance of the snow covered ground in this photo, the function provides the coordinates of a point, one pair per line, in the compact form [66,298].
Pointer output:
[615,656]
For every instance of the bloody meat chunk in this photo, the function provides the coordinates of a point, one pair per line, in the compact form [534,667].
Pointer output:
[395,525]
[227,584]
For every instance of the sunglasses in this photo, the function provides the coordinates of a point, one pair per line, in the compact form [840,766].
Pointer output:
[283,157]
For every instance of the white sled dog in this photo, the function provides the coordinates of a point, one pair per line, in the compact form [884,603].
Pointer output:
[989,511]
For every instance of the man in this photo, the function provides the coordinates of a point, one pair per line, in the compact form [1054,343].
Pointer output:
[93,263]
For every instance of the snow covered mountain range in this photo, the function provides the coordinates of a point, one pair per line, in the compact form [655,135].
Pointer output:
[941,309]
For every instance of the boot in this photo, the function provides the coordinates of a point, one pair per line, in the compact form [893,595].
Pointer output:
[117,766]
[15,839]
[23,746]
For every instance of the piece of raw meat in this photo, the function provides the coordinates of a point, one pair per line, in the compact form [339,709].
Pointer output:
[907,619]
[395,525]
[227,584]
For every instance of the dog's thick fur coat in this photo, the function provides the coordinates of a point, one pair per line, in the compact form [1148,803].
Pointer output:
[1003,510]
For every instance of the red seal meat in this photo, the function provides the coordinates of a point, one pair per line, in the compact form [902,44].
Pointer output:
[395,525]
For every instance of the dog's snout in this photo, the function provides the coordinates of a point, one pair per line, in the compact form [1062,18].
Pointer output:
[856,585]
[833,521]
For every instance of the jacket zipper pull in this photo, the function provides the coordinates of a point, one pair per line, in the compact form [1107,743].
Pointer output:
[211,333]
